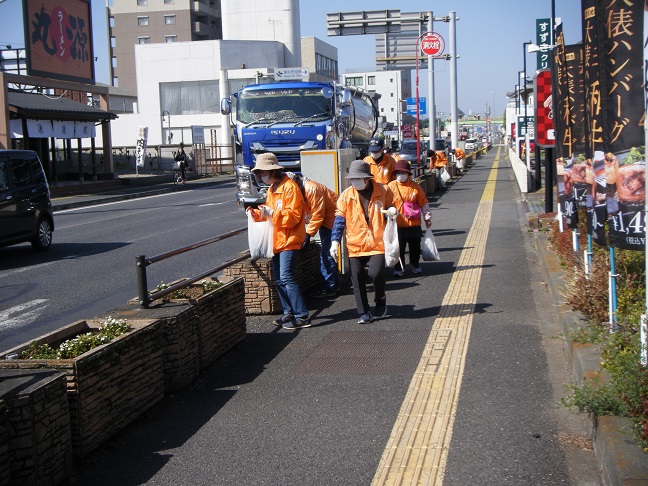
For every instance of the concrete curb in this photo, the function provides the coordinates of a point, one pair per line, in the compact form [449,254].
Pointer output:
[141,191]
[619,456]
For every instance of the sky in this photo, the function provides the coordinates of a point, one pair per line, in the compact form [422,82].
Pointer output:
[489,41]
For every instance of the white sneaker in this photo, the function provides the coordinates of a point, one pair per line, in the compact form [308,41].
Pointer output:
[416,270]
[398,273]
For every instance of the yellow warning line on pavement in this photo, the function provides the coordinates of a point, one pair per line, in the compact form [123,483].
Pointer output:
[417,449]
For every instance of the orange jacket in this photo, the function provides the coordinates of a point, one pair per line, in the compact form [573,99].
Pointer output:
[459,154]
[286,200]
[364,239]
[320,206]
[384,171]
[439,161]
[409,191]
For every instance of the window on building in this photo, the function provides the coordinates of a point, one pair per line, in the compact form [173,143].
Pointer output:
[143,40]
[113,41]
[142,21]
[114,61]
[382,110]
[142,3]
[371,80]
[115,81]
[170,38]
[111,22]
[169,19]
[355,81]
[190,97]
[169,2]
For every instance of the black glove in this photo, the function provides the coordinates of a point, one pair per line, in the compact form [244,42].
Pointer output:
[306,241]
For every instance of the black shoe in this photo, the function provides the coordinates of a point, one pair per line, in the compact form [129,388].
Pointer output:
[381,308]
[323,293]
[286,318]
[298,324]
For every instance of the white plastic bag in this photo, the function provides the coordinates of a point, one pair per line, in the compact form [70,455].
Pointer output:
[390,238]
[429,250]
[445,175]
[260,238]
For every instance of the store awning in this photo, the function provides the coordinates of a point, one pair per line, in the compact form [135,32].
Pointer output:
[49,107]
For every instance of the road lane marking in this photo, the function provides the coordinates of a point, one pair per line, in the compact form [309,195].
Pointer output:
[21,315]
[417,450]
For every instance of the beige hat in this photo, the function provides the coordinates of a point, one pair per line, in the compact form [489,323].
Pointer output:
[267,161]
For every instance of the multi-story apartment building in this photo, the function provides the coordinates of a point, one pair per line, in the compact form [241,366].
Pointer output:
[133,22]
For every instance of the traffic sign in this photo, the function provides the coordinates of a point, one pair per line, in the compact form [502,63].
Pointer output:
[433,45]
[411,106]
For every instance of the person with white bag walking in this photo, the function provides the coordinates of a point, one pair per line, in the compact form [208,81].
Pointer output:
[412,205]
[359,216]
[286,208]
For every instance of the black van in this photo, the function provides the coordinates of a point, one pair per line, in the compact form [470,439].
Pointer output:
[25,206]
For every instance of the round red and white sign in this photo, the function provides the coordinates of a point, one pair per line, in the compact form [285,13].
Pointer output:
[433,44]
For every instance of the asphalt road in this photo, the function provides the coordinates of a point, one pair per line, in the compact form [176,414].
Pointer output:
[90,267]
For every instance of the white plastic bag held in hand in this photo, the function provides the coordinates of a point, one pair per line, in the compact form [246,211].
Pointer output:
[390,238]
[260,238]
[429,250]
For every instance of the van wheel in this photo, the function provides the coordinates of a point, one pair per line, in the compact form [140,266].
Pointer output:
[43,239]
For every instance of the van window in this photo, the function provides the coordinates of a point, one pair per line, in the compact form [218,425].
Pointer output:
[20,172]
[37,171]
[4,176]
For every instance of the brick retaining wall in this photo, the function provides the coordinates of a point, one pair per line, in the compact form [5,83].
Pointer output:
[35,437]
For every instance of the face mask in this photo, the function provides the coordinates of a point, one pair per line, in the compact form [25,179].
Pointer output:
[267,180]
[359,184]
[402,177]
[376,155]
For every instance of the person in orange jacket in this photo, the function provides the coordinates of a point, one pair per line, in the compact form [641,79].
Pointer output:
[320,208]
[412,205]
[438,162]
[381,164]
[360,218]
[286,208]
[460,158]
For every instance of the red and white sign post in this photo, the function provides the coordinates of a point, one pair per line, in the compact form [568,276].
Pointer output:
[432,44]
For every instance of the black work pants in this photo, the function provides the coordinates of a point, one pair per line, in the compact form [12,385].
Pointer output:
[375,265]
[409,236]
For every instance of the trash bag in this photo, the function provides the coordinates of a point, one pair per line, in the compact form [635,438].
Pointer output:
[445,176]
[260,238]
[429,250]
[390,238]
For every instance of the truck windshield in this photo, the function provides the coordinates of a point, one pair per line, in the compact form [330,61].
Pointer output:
[289,105]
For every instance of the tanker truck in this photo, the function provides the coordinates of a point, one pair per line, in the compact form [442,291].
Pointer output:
[288,117]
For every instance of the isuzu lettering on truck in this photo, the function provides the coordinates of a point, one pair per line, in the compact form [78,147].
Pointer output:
[289,117]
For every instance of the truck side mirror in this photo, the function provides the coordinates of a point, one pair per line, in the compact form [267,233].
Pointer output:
[226,106]
[345,98]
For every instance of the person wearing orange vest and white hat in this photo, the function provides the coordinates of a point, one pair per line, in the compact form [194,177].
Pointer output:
[381,164]
[286,208]
[412,206]
[359,216]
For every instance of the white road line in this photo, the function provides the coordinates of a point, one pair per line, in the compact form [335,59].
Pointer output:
[21,315]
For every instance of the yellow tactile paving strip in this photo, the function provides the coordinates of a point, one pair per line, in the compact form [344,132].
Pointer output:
[417,449]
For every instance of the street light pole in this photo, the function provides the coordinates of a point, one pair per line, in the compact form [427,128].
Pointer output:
[526,128]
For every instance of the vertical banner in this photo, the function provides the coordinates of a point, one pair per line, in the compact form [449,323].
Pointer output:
[543,41]
[595,84]
[562,130]
[576,99]
[625,108]
[140,147]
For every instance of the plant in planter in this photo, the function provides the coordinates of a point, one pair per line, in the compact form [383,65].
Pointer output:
[108,330]
[192,291]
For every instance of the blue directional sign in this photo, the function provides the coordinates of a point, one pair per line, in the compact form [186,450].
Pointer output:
[411,106]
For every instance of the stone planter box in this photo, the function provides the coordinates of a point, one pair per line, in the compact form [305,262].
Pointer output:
[35,438]
[107,387]
[217,324]
[428,184]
